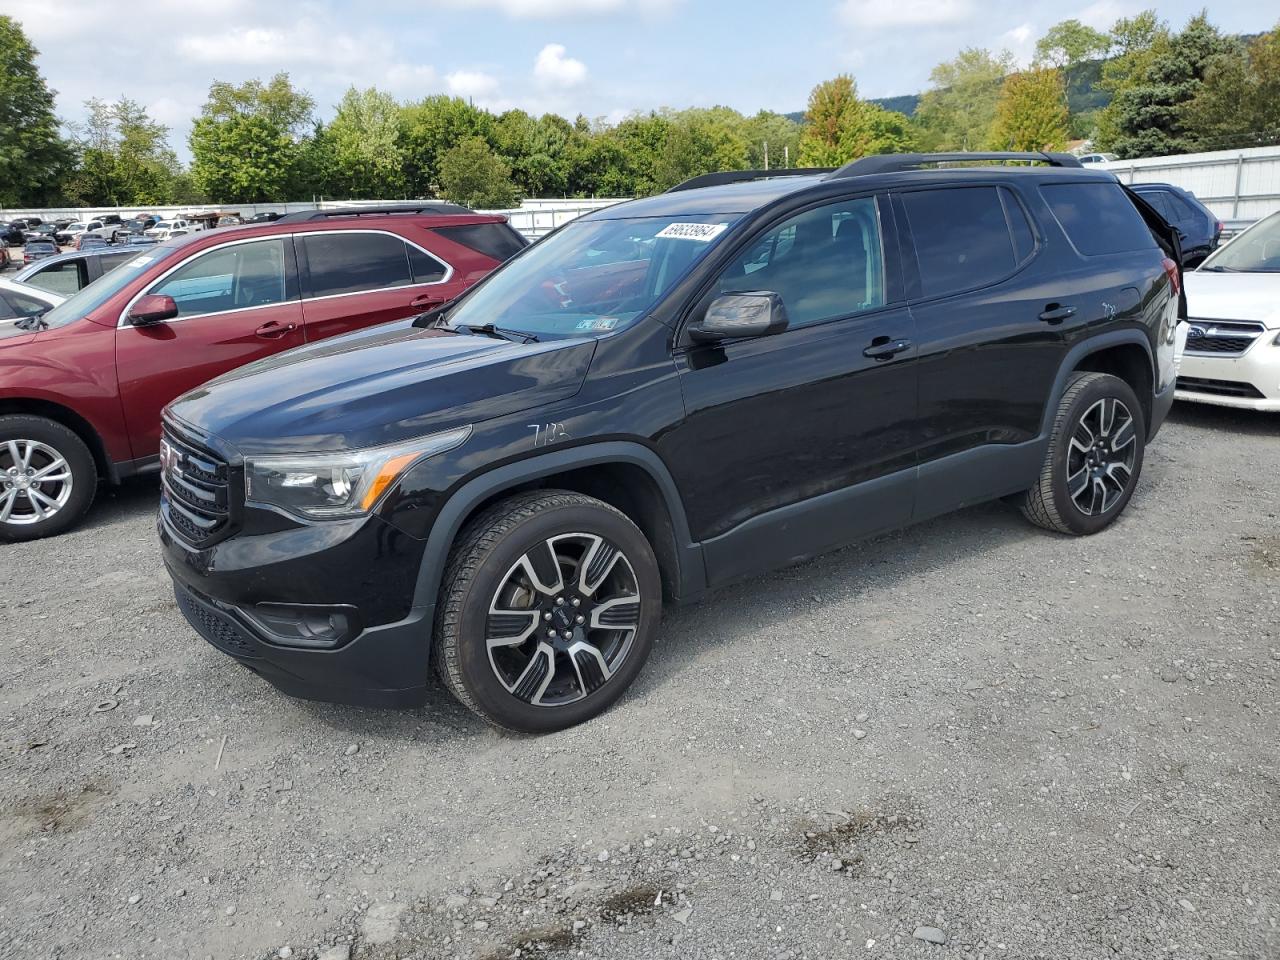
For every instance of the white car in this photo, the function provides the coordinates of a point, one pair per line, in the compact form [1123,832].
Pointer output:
[1232,356]
[19,302]
[173,228]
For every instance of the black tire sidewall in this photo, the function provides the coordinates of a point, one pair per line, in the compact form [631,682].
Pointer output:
[1099,388]
[84,474]
[473,659]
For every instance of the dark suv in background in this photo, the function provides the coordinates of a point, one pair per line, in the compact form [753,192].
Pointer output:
[660,398]
[1199,229]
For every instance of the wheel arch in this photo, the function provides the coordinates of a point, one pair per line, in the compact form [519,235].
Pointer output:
[1122,353]
[30,406]
[625,474]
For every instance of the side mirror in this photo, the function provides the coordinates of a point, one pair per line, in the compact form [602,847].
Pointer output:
[758,313]
[153,308]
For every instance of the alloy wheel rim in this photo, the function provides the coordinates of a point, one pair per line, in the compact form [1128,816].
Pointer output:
[563,619]
[1100,456]
[35,482]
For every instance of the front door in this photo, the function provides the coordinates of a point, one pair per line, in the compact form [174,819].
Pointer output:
[357,278]
[800,442]
[236,303]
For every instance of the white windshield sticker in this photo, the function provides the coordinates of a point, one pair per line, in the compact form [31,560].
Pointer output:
[702,232]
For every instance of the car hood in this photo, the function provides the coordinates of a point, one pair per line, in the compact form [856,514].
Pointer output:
[1234,296]
[385,384]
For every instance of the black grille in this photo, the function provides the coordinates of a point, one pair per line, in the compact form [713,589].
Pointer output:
[1220,388]
[1222,337]
[215,626]
[197,488]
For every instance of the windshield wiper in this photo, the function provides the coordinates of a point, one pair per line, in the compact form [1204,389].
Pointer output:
[1217,269]
[497,333]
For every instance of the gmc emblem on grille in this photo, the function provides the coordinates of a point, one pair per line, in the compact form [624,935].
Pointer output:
[170,459]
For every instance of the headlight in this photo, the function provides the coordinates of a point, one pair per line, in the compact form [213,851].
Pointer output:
[325,486]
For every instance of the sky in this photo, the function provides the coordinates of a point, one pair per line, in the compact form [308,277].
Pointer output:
[601,58]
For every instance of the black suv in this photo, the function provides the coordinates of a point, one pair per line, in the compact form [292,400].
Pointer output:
[658,399]
[1199,229]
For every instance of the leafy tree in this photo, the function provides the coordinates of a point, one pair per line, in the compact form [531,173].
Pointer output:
[366,138]
[1239,103]
[536,150]
[246,143]
[124,158]
[957,112]
[33,157]
[473,175]
[1135,42]
[643,139]
[878,130]
[701,140]
[780,133]
[833,105]
[431,128]
[1031,113]
[1070,42]
[1148,113]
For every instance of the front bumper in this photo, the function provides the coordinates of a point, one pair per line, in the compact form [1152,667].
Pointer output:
[228,591]
[1248,382]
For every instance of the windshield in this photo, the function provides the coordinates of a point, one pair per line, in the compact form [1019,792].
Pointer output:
[592,276]
[104,288]
[1257,250]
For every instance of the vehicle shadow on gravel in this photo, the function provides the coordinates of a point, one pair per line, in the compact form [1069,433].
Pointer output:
[1255,423]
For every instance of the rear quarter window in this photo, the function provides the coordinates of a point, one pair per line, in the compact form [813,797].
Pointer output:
[1098,218]
[498,241]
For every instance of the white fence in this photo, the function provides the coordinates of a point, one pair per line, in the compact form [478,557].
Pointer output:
[1234,184]
[533,218]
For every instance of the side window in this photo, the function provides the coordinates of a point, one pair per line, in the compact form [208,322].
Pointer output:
[110,261]
[425,267]
[13,304]
[961,236]
[63,278]
[1024,238]
[497,241]
[355,262]
[229,278]
[1160,200]
[1181,209]
[1098,217]
[824,263]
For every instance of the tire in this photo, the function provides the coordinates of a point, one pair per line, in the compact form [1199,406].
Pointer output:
[500,585]
[1099,429]
[30,446]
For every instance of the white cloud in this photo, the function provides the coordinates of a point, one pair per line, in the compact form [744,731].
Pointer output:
[881,14]
[473,84]
[553,9]
[553,69]
[1104,13]
[410,80]
[1020,41]
[307,41]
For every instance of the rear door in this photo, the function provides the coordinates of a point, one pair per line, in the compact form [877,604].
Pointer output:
[357,278]
[237,302]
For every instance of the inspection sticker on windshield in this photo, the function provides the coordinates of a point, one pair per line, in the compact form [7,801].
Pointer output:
[702,232]
[601,323]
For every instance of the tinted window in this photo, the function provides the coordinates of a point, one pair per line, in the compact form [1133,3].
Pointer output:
[112,260]
[426,268]
[961,236]
[1182,209]
[1160,200]
[824,263]
[1098,217]
[1024,239]
[352,262]
[495,240]
[63,278]
[229,278]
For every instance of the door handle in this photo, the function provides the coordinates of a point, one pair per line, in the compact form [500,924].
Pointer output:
[274,330]
[427,300]
[1057,312]
[885,348]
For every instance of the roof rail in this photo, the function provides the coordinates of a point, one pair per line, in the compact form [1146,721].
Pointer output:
[742,176]
[423,209]
[893,162]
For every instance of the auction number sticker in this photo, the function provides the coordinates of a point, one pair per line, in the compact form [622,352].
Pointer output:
[702,232]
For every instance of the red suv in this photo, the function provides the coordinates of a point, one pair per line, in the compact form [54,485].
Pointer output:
[81,388]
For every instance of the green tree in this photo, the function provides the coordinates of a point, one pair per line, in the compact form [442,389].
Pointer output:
[1148,113]
[431,128]
[878,130]
[246,144]
[1135,42]
[473,175]
[956,113]
[779,134]
[701,140]
[124,158]
[1070,42]
[366,134]
[1238,104]
[833,106]
[1031,113]
[33,156]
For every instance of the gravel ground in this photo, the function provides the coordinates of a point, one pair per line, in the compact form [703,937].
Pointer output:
[968,739]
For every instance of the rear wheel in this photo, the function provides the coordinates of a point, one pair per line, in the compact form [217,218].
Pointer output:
[47,478]
[549,609]
[1094,458]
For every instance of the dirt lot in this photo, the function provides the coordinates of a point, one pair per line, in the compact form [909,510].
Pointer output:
[970,739]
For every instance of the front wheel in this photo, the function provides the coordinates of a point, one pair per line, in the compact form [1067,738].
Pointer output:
[1094,457]
[47,478]
[548,611]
